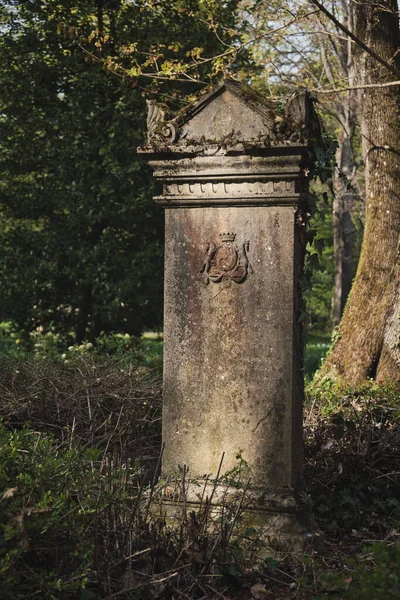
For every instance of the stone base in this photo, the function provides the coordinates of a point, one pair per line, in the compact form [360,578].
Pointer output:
[269,524]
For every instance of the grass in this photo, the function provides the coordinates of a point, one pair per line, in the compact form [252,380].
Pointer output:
[317,346]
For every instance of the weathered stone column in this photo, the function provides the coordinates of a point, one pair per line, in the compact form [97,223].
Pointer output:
[234,175]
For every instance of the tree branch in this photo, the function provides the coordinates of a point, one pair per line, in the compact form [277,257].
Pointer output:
[356,87]
[355,39]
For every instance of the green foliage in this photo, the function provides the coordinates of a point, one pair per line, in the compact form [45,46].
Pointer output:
[53,500]
[93,417]
[323,153]
[317,346]
[331,397]
[318,275]
[375,575]
[319,266]
[81,239]
[146,353]
[71,515]
[354,434]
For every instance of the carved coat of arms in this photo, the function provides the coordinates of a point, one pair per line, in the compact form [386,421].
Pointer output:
[226,260]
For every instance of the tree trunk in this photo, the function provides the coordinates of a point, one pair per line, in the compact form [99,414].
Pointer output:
[368,341]
[343,201]
[343,227]
[344,110]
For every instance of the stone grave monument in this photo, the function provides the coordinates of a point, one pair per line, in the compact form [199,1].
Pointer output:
[234,172]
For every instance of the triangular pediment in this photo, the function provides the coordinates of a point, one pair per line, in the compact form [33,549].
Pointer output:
[231,116]
[232,111]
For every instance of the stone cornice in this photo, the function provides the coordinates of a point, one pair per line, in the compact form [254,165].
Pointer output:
[229,180]
[220,193]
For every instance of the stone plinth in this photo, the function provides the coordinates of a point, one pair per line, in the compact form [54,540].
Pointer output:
[235,175]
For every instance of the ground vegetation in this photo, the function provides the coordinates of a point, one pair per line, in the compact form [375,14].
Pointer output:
[79,457]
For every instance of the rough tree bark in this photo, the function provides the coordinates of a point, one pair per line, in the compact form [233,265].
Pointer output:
[368,341]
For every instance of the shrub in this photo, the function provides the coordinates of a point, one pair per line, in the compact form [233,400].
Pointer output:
[59,511]
[373,576]
[353,458]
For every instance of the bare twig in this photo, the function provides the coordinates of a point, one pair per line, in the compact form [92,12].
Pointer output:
[355,38]
[355,87]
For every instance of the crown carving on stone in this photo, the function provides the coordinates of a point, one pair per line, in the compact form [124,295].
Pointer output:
[227,237]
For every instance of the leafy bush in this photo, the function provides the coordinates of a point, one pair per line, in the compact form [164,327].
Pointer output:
[59,503]
[373,576]
[42,344]
[353,458]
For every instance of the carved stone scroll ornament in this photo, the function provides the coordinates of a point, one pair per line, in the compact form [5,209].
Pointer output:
[157,129]
[226,260]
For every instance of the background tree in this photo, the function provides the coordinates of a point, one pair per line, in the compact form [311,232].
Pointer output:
[338,64]
[301,47]
[81,239]
[369,339]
